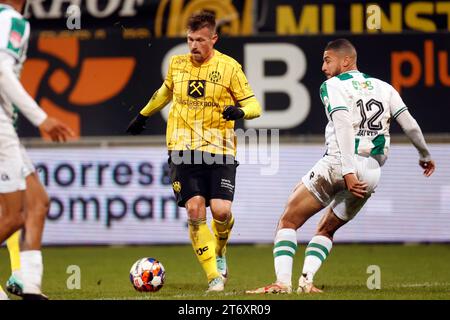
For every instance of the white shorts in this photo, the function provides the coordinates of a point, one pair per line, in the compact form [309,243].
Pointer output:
[15,165]
[28,164]
[12,167]
[326,183]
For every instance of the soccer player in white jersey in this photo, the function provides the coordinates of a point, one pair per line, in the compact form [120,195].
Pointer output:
[23,200]
[359,109]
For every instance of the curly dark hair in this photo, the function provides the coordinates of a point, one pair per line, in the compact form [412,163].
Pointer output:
[202,19]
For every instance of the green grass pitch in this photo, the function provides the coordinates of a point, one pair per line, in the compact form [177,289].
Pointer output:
[407,272]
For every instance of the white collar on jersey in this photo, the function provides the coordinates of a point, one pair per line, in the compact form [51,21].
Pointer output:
[7,5]
[351,71]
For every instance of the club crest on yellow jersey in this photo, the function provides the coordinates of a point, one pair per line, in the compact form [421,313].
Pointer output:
[196,88]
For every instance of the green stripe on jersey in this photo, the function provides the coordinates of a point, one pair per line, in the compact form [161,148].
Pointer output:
[17,26]
[15,117]
[283,253]
[356,145]
[318,246]
[398,112]
[336,109]
[285,243]
[379,142]
[4,7]
[323,94]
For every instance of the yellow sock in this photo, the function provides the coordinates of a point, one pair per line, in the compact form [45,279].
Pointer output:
[222,230]
[3,295]
[204,248]
[13,244]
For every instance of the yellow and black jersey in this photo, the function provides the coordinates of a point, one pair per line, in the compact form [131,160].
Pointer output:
[199,96]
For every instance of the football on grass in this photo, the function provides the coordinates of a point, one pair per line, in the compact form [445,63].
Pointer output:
[147,275]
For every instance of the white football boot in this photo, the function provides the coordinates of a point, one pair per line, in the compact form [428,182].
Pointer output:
[216,285]
[273,288]
[222,268]
[306,286]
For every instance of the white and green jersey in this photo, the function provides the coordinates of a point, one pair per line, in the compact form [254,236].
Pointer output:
[14,36]
[372,104]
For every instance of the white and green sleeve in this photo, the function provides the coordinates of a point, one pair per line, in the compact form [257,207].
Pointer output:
[332,98]
[412,130]
[14,32]
[337,110]
[396,105]
[409,125]
[14,35]
[345,138]
[14,91]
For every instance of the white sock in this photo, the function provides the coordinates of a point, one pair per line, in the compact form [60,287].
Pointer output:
[284,248]
[32,270]
[316,252]
[18,275]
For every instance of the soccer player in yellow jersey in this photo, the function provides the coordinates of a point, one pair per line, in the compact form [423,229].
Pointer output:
[209,91]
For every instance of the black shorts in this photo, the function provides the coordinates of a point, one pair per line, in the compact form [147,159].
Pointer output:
[211,180]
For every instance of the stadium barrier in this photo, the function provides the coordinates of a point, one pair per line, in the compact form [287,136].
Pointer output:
[119,192]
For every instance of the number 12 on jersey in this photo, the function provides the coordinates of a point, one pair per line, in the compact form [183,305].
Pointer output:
[371,114]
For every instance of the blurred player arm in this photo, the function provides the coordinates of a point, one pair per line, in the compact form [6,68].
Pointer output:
[16,93]
[345,138]
[157,102]
[346,141]
[336,107]
[250,107]
[412,130]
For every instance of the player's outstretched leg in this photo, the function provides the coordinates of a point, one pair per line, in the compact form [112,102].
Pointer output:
[14,284]
[11,218]
[300,207]
[204,248]
[222,230]
[203,242]
[32,271]
[221,225]
[37,204]
[318,250]
[285,246]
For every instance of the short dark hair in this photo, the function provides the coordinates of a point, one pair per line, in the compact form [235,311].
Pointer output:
[202,19]
[340,45]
